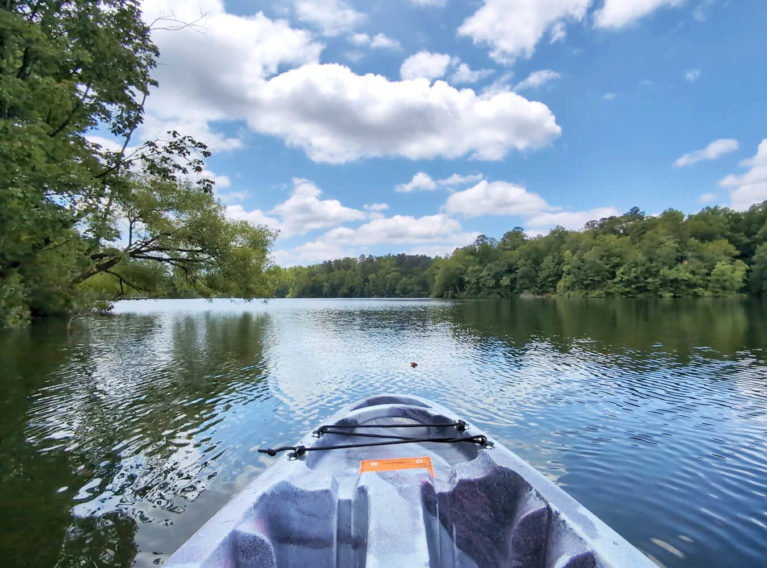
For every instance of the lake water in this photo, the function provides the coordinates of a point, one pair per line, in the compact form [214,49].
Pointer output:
[122,436]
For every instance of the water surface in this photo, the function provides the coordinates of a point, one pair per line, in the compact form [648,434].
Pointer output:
[119,438]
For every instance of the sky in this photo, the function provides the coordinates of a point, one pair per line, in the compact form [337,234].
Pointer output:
[412,126]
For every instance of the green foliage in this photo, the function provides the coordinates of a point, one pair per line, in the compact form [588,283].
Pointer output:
[67,68]
[403,275]
[629,255]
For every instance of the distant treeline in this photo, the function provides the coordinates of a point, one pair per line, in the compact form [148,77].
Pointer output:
[716,252]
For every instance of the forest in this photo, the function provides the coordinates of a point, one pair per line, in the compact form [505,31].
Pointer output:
[715,252]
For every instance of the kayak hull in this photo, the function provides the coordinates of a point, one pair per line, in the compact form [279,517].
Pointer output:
[412,504]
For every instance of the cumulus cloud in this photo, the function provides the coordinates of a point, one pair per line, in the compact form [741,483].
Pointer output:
[425,64]
[266,74]
[436,230]
[420,181]
[751,187]
[495,198]
[430,66]
[332,17]
[512,28]
[711,152]
[231,196]
[463,74]
[707,197]
[256,217]
[336,116]
[457,179]
[537,79]
[424,182]
[312,252]
[376,206]
[573,220]
[304,211]
[508,199]
[435,3]
[617,14]
[378,41]
[207,69]
[397,229]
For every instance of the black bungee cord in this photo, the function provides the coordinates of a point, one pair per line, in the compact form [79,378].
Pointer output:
[459,425]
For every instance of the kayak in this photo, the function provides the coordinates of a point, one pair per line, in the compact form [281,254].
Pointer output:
[401,481]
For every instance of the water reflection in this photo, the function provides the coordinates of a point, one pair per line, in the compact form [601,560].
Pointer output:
[120,429]
[118,440]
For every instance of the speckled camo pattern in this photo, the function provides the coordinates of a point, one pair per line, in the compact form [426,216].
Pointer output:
[483,508]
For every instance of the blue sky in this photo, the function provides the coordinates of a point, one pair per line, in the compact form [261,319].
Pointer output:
[388,126]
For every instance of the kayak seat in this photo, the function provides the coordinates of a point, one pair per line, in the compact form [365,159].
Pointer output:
[477,528]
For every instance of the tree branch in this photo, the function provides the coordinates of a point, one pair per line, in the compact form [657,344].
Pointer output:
[77,106]
[120,277]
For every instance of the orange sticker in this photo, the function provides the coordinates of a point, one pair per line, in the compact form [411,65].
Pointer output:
[395,464]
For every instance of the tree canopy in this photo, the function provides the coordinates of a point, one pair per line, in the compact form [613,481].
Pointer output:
[716,252]
[72,208]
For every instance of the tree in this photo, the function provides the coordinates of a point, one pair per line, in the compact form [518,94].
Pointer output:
[68,68]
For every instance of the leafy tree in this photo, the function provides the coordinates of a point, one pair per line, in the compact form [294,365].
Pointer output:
[67,68]
[727,278]
[758,278]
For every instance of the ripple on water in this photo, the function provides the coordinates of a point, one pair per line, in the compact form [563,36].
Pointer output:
[156,416]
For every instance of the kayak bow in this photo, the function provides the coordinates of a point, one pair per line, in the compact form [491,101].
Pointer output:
[400,481]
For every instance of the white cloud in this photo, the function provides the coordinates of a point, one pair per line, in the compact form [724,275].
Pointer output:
[336,116]
[692,75]
[435,3]
[206,70]
[445,250]
[421,180]
[572,220]
[711,152]
[435,65]
[616,14]
[331,16]
[220,181]
[425,64]
[503,198]
[381,41]
[457,179]
[397,229]
[424,182]
[513,28]
[231,196]
[378,41]
[256,217]
[750,187]
[537,79]
[264,73]
[464,74]
[609,96]
[376,206]
[303,211]
[495,198]
[311,253]
[432,230]
[707,197]
[558,32]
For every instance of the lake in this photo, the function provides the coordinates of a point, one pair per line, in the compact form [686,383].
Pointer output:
[123,435]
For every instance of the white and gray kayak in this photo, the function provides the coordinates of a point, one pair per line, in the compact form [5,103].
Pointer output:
[400,481]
